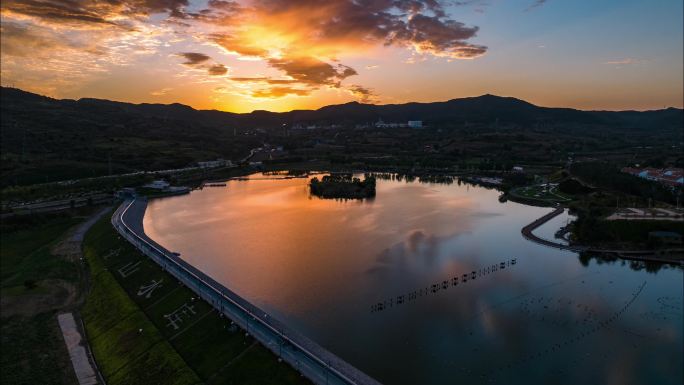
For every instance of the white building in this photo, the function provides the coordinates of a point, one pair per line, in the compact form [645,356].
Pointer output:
[158,185]
[415,123]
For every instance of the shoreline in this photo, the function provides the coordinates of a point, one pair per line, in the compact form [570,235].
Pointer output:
[313,361]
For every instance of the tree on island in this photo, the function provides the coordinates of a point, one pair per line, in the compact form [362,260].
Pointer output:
[343,186]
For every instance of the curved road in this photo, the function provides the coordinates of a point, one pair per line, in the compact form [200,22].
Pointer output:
[309,358]
[637,255]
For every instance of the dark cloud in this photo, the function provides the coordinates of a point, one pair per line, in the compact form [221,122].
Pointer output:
[443,37]
[93,12]
[310,70]
[362,93]
[231,6]
[193,58]
[413,23]
[217,70]
[265,80]
[324,28]
[535,4]
[19,40]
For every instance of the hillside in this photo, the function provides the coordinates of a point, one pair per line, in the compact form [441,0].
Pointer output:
[45,139]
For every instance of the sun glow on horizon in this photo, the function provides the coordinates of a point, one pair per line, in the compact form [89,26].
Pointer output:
[280,55]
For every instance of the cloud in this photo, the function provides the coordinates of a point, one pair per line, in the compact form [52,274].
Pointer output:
[235,45]
[304,38]
[443,38]
[625,61]
[217,70]
[364,94]
[535,4]
[620,63]
[161,92]
[308,70]
[264,80]
[193,58]
[307,42]
[93,13]
[279,92]
[199,60]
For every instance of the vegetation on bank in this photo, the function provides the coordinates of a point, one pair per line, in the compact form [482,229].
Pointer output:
[343,186]
[609,177]
[134,341]
[34,285]
[591,228]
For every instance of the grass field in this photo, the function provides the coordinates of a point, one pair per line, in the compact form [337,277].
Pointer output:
[541,193]
[32,349]
[135,343]
[25,254]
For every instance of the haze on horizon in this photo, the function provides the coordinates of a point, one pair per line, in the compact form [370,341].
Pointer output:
[281,55]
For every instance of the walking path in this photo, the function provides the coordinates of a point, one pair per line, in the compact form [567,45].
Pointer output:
[70,323]
[636,255]
[313,361]
[77,350]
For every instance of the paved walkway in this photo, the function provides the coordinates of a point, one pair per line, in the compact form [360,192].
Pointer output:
[77,350]
[635,255]
[304,355]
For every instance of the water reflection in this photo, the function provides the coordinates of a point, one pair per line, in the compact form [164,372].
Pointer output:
[320,265]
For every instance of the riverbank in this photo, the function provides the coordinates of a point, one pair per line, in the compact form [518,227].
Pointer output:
[148,328]
[666,255]
[314,362]
[43,277]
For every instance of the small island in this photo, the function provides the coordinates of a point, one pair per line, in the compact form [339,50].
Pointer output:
[343,186]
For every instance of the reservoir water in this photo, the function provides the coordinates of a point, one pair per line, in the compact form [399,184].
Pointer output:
[430,283]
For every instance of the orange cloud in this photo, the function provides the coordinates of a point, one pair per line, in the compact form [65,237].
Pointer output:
[303,38]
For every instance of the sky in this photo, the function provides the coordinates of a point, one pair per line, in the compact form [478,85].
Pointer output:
[279,55]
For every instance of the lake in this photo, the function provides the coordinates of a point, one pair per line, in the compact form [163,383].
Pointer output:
[430,283]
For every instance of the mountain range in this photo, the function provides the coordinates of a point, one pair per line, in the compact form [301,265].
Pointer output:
[44,139]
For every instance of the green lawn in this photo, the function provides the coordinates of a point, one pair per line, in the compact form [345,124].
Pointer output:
[202,347]
[541,193]
[25,254]
[32,349]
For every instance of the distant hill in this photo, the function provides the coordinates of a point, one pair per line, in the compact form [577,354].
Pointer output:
[50,139]
[472,109]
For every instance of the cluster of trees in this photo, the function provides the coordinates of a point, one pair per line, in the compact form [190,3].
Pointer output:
[343,186]
[609,177]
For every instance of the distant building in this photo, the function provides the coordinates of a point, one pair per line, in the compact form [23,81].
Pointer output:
[158,185]
[164,186]
[381,124]
[415,123]
[673,177]
[518,169]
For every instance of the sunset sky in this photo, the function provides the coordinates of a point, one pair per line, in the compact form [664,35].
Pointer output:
[280,55]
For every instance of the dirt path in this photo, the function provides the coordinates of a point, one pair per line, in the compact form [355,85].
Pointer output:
[71,249]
